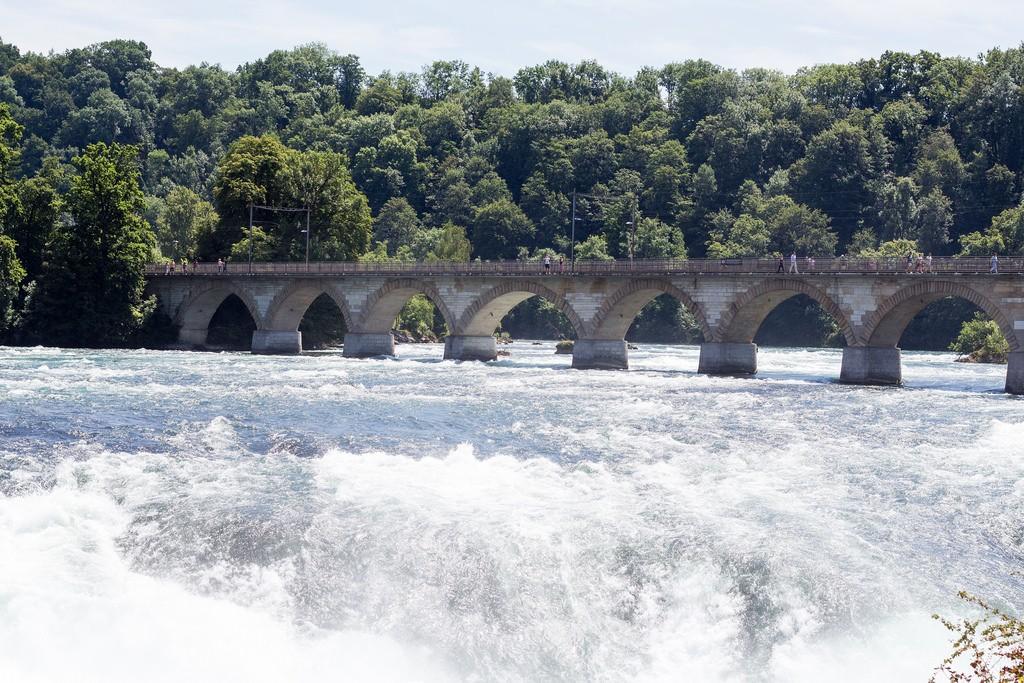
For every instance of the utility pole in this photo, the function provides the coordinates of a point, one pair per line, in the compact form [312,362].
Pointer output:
[572,243]
[307,239]
[633,231]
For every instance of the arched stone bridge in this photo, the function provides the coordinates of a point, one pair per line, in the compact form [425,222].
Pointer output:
[872,303]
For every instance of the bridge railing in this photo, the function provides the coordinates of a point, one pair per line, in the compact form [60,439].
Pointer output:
[705,266]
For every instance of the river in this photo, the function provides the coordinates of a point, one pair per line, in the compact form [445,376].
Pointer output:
[174,516]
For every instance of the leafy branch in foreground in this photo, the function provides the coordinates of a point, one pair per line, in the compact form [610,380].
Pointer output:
[992,646]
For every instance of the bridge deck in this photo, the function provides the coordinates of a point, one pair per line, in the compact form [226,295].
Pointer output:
[760,266]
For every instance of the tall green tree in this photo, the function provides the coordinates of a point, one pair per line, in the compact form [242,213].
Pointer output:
[341,223]
[183,219]
[90,291]
[248,174]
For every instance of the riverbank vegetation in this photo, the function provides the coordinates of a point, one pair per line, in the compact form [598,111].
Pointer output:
[988,649]
[981,341]
[108,159]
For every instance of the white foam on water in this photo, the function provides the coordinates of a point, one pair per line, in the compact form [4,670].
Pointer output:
[698,528]
[71,609]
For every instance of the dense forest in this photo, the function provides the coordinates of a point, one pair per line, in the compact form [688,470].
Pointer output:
[108,160]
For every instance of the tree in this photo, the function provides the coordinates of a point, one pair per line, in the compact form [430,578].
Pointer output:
[981,340]
[498,229]
[934,219]
[340,214]
[37,211]
[594,248]
[185,216]
[90,291]
[10,136]
[656,239]
[836,173]
[447,243]
[745,236]
[1004,236]
[396,223]
[263,247]
[248,174]
[11,275]
[897,210]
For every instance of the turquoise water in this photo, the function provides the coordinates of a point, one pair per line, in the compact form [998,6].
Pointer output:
[173,516]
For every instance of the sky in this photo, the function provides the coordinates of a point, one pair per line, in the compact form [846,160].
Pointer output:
[501,36]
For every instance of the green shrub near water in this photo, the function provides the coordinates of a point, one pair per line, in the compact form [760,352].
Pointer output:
[981,341]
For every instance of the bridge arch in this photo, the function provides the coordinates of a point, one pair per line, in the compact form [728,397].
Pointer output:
[384,304]
[621,308]
[885,325]
[290,305]
[485,313]
[198,309]
[741,321]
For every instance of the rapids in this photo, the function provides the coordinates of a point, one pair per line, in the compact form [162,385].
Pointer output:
[172,516]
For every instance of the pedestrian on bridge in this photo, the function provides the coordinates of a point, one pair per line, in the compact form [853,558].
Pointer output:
[994,265]
[782,265]
[547,264]
[792,264]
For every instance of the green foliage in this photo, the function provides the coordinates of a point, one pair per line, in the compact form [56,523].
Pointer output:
[11,275]
[743,236]
[893,249]
[416,317]
[498,228]
[594,248]
[262,171]
[1004,236]
[715,162]
[665,321]
[452,245]
[864,243]
[981,340]
[248,174]
[396,224]
[537,318]
[264,247]
[183,218]
[657,239]
[10,136]
[90,290]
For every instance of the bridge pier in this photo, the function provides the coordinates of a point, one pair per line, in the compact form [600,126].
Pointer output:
[727,358]
[276,341]
[192,337]
[470,347]
[368,344]
[871,365]
[600,354]
[1015,372]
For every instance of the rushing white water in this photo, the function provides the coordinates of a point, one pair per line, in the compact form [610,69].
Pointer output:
[223,517]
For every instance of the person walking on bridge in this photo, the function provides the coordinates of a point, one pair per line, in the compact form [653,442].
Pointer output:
[792,264]
[994,265]
[782,265]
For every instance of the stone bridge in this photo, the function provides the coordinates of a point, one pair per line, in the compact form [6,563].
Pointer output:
[873,302]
